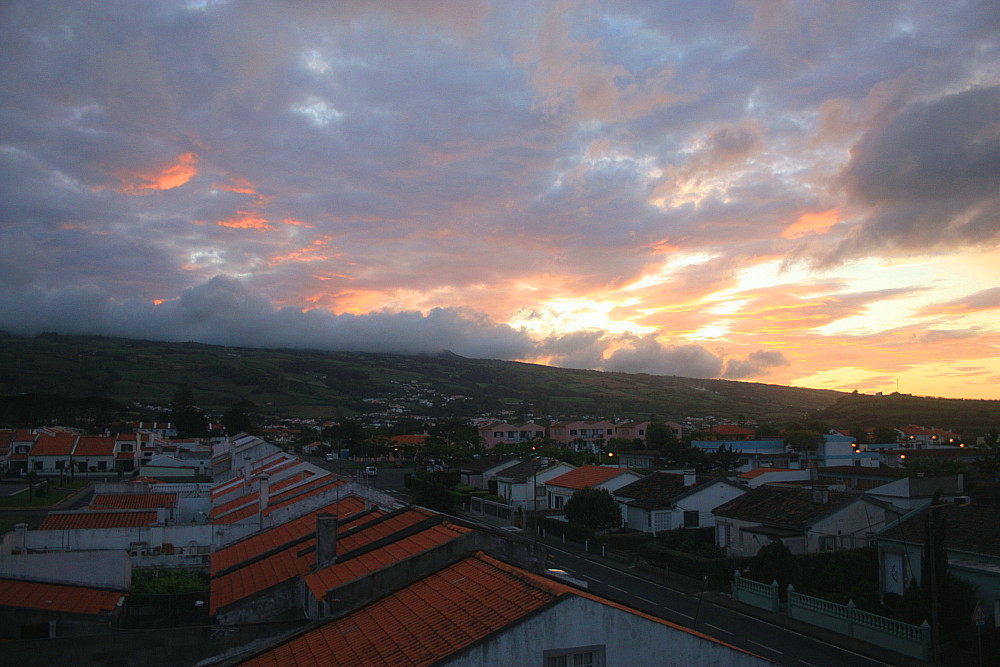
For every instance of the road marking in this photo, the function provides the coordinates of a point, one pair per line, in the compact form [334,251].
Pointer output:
[766,647]
[806,663]
[721,629]
[620,590]
[647,601]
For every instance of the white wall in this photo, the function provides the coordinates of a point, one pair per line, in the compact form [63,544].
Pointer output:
[75,568]
[628,639]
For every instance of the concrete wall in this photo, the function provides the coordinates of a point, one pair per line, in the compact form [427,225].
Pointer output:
[628,639]
[850,526]
[75,567]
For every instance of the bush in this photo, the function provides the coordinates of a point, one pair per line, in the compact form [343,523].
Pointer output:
[717,569]
[572,532]
[494,498]
[630,540]
[434,497]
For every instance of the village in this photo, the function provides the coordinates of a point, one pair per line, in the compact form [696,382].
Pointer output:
[453,560]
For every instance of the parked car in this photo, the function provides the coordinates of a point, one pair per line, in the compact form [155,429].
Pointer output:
[371,470]
[331,457]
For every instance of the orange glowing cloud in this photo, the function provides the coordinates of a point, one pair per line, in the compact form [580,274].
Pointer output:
[166,177]
[808,224]
[296,223]
[245,220]
[663,247]
[309,253]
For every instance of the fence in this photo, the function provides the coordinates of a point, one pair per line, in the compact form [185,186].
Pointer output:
[911,640]
[490,508]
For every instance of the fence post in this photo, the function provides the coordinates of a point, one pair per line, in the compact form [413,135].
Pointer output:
[564,538]
[604,550]
[736,584]
[791,601]
[775,596]
[925,639]
[586,545]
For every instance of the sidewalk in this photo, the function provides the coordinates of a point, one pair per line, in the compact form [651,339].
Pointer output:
[693,588]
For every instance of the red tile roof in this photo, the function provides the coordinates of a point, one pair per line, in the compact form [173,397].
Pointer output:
[585,476]
[282,534]
[79,520]
[57,597]
[435,617]
[341,572]
[53,445]
[291,496]
[408,439]
[757,472]
[730,429]
[297,559]
[133,501]
[94,445]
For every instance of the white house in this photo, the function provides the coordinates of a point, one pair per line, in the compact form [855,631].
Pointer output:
[523,485]
[806,520]
[664,501]
[560,489]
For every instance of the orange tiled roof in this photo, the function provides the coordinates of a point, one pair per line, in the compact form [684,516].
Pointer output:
[282,534]
[585,476]
[97,520]
[757,472]
[425,621]
[57,597]
[341,572]
[133,501]
[53,445]
[730,429]
[297,559]
[408,439]
[319,485]
[94,445]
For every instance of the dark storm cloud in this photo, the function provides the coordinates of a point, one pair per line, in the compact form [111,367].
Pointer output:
[930,176]
[756,364]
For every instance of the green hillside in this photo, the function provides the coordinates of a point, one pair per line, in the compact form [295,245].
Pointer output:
[314,383]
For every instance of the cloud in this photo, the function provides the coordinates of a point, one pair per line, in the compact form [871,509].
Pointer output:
[929,176]
[647,355]
[987,299]
[756,363]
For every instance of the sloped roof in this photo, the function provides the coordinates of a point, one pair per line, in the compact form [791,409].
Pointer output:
[585,476]
[297,558]
[484,463]
[434,618]
[94,445]
[403,440]
[862,471]
[246,508]
[57,597]
[972,528]
[729,429]
[283,534]
[60,444]
[659,489]
[80,520]
[133,501]
[784,507]
[757,472]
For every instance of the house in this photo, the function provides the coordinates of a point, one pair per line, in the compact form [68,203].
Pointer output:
[971,544]
[912,492]
[523,485]
[920,437]
[805,519]
[727,432]
[858,478]
[583,435]
[640,458]
[664,501]
[761,476]
[502,433]
[52,453]
[96,453]
[36,610]
[560,489]
[896,458]
[161,429]
[482,472]
[482,611]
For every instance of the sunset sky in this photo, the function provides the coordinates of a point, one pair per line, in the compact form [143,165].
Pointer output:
[803,193]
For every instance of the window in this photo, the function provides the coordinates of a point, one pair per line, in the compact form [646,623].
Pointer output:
[102,465]
[60,465]
[572,431]
[691,518]
[661,521]
[38,465]
[582,656]
[828,543]
[127,447]
[609,431]
[557,501]
[539,491]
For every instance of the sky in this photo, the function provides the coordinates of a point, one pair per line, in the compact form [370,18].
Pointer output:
[799,193]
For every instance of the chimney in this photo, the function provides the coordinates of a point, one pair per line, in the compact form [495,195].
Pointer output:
[262,492]
[821,494]
[246,470]
[21,543]
[690,478]
[326,540]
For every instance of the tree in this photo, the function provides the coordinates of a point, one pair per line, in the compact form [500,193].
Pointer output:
[593,508]
[987,466]
[188,419]
[883,435]
[238,418]
[803,440]
[659,436]
[724,459]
